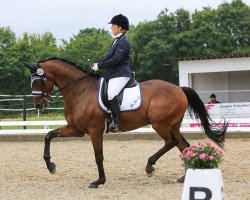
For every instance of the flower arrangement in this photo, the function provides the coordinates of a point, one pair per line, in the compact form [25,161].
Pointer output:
[202,156]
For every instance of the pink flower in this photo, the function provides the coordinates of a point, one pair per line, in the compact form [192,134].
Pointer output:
[210,157]
[189,153]
[207,153]
[193,155]
[218,152]
[199,146]
[209,144]
[202,156]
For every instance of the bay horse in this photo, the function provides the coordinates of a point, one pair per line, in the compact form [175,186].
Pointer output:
[163,106]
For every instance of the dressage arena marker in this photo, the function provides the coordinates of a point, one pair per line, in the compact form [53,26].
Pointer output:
[203,184]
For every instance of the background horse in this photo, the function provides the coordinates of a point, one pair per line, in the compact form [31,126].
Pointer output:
[163,106]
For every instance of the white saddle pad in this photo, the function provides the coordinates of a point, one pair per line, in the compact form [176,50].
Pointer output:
[131,98]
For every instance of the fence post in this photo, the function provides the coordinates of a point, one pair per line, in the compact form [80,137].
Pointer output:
[24,110]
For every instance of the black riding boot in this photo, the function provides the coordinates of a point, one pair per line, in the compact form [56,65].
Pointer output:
[115,111]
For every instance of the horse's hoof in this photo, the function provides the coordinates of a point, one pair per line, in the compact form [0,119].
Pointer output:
[93,185]
[151,174]
[150,171]
[181,179]
[52,168]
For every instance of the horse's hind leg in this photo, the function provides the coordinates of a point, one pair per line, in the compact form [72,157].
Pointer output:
[182,144]
[170,142]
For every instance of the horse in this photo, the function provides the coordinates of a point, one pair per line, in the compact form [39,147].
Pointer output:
[163,106]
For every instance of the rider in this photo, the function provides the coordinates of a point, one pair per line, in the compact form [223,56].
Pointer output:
[117,65]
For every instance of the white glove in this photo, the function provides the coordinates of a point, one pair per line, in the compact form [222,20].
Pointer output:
[95,67]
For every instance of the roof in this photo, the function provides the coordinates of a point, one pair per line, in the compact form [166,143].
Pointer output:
[213,57]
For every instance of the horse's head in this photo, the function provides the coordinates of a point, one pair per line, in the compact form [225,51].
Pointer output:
[41,85]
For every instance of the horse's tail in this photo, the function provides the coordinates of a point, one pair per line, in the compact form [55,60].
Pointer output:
[196,105]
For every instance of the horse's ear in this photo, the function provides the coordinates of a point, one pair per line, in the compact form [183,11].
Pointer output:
[28,65]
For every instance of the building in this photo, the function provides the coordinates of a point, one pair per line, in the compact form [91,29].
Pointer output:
[227,77]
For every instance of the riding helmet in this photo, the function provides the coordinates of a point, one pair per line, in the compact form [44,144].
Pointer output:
[120,20]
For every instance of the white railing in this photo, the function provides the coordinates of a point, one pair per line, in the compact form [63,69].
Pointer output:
[46,125]
[188,125]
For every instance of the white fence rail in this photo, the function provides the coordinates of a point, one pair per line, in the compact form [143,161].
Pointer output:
[46,125]
[188,125]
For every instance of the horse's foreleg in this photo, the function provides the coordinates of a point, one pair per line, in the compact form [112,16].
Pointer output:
[97,141]
[65,131]
[46,156]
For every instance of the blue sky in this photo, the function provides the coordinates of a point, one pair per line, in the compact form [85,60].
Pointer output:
[64,18]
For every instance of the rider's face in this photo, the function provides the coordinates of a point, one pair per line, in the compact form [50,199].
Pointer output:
[115,29]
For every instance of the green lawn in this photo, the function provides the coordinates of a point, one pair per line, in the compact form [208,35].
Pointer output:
[33,118]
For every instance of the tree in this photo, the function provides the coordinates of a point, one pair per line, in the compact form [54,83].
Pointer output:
[216,32]
[139,38]
[87,47]
[7,40]
[233,24]
[204,33]
[29,48]
[152,45]
[209,32]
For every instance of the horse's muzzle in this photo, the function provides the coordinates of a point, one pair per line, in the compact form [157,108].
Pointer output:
[41,105]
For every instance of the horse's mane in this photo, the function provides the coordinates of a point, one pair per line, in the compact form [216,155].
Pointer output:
[71,63]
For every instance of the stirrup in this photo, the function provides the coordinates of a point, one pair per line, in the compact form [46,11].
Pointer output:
[114,127]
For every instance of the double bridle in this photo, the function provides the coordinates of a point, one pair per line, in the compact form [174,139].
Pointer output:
[39,75]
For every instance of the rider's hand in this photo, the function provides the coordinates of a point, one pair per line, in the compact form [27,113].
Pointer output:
[95,67]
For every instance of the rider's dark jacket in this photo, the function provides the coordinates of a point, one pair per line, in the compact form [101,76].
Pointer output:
[117,60]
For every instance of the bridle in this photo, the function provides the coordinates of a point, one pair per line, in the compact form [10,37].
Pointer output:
[39,75]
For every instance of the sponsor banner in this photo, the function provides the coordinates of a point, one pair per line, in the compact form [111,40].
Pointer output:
[244,124]
[229,110]
[218,125]
[236,114]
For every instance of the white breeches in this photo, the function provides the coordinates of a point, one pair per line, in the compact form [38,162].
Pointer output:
[115,85]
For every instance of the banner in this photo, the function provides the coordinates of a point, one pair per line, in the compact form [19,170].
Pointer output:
[236,114]
[229,110]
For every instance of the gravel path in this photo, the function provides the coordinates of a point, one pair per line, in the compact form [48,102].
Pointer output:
[24,175]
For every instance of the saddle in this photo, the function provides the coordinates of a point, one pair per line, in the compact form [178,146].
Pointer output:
[104,95]
[130,98]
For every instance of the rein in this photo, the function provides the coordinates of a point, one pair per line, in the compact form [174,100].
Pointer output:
[70,85]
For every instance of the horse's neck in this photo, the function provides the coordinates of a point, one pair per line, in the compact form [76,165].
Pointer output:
[64,76]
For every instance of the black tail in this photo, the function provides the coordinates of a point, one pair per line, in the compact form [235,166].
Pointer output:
[216,134]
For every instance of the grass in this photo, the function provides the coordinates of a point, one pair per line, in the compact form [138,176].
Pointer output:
[35,118]
[49,117]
